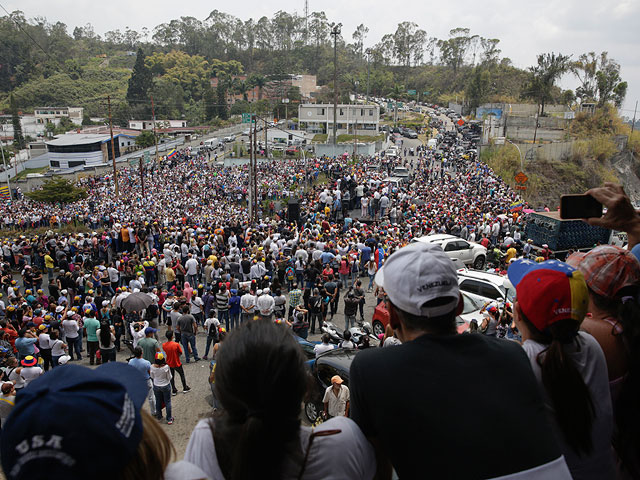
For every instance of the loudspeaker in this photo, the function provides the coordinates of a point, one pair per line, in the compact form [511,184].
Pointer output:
[293,211]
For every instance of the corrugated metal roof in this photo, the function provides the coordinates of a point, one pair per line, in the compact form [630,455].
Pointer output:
[78,139]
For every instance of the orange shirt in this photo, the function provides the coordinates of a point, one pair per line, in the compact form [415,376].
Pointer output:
[172,350]
[125,234]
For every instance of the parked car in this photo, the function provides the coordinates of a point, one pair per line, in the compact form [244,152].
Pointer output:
[291,150]
[470,311]
[229,138]
[401,172]
[485,286]
[470,253]
[333,362]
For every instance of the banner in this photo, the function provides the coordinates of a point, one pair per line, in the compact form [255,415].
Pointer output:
[4,193]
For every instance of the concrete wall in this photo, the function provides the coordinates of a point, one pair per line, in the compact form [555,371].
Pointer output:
[328,149]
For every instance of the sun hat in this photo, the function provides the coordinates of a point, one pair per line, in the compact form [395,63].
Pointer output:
[337,379]
[607,269]
[110,398]
[29,361]
[550,291]
[417,274]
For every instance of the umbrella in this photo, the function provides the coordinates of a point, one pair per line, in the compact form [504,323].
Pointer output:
[136,302]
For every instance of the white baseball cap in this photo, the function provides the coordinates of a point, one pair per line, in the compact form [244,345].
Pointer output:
[417,274]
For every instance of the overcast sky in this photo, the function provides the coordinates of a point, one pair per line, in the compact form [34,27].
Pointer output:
[525,28]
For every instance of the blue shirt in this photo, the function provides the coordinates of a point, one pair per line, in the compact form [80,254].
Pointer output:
[327,257]
[25,346]
[366,254]
[142,365]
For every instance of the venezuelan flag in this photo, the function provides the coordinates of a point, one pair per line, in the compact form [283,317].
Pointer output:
[172,153]
[516,206]
[4,193]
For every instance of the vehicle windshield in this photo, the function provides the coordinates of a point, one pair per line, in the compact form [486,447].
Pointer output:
[511,293]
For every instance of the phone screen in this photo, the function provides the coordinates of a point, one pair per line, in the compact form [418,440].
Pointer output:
[579,206]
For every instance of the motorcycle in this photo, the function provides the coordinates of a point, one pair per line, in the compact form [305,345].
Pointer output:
[358,332]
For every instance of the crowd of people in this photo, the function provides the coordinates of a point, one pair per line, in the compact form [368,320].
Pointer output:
[189,247]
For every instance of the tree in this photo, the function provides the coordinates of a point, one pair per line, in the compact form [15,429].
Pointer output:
[140,81]
[454,50]
[359,35]
[58,190]
[543,76]
[221,96]
[18,137]
[585,69]
[146,139]
[610,85]
[479,87]
[210,103]
[258,81]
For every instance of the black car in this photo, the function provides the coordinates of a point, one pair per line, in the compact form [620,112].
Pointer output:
[333,362]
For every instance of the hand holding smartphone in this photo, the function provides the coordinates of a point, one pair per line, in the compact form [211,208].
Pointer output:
[579,206]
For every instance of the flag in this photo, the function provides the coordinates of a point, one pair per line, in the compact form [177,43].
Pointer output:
[172,153]
[516,206]
[4,193]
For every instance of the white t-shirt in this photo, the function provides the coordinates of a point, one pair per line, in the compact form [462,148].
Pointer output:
[70,328]
[29,374]
[56,348]
[191,267]
[321,348]
[346,455]
[44,341]
[211,321]
[337,403]
[161,376]
[592,365]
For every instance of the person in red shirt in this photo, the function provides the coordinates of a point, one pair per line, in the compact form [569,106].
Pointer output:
[172,351]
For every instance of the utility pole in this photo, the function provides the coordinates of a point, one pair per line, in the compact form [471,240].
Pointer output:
[355,124]
[633,125]
[155,137]
[113,150]
[142,176]
[368,52]
[251,175]
[255,171]
[335,31]
[5,168]
[266,139]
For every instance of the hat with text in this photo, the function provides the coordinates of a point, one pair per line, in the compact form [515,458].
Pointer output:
[607,269]
[417,274]
[110,398]
[550,291]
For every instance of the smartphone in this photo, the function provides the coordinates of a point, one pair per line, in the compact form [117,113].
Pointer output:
[579,206]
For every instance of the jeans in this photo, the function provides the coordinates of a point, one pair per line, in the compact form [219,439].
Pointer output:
[371,277]
[163,394]
[235,320]
[74,345]
[45,353]
[186,340]
[349,321]
[224,315]
[193,281]
[210,340]
[92,348]
[247,316]
[344,278]
[180,371]
[312,321]
[108,354]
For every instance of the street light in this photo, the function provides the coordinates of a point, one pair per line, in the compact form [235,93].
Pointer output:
[335,31]
[519,151]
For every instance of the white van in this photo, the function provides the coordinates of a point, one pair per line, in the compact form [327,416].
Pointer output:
[432,143]
[211,143]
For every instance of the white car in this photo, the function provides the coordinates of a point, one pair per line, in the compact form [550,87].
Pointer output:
[486,287]
[229,139]
[400,172]
[469,253]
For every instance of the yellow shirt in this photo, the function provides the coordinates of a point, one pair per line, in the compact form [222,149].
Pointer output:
[48,261]
[511,253]
[170,274]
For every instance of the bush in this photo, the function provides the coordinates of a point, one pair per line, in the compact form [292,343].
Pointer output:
[58,190]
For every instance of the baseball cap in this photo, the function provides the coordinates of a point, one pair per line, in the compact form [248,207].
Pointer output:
[149,330]
[110,398]
[550,291]
[607,269]
[417,274]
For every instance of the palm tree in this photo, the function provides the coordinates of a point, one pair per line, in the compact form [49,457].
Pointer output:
[258,81]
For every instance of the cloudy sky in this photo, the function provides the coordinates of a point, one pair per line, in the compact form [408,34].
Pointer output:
[525,28]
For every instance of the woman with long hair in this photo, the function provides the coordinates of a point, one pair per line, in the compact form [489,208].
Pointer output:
[552,301]
[106,338]
[260,381]
[613,278]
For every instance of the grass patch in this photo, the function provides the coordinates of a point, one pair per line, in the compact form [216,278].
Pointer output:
[65,229]
[361,138]
[27,171]
[320,138]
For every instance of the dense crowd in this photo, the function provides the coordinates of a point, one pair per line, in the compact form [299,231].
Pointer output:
[187,250]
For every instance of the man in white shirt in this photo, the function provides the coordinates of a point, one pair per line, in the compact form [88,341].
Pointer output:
[325,346]
[265,305]
[336,399]
[247,306]
[191,266]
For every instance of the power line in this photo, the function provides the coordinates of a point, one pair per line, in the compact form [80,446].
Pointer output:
[24,31]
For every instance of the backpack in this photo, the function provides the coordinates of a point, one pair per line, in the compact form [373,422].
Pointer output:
[213,330]
[290,273]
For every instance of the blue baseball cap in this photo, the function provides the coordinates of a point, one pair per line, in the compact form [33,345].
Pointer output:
[149,330]
[91,407]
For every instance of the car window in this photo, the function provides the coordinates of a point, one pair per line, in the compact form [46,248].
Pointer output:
[451,247]
[325,372]
[462,245]
[469,305]
[308,351]
[490,291]
[471,286]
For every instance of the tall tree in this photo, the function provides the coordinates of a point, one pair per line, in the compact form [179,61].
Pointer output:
[140,81]
[454,50]
[543,76]
[610,85]
[358,36]
[18,137]
[479,87]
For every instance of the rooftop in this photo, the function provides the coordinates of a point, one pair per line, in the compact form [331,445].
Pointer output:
[78,139]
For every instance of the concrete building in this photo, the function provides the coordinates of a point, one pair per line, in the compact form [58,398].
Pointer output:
[318,118]
[74,150]
[30,127]
[55,114]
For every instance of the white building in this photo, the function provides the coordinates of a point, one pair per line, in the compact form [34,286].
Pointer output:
[360,119]
[55,114]
[30,126]
[73,150]
[148,124]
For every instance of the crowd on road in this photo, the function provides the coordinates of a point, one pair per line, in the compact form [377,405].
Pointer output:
[186,255]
